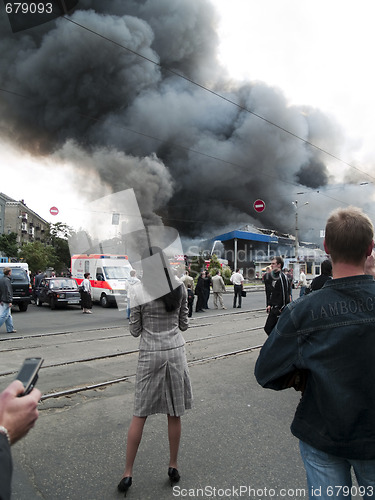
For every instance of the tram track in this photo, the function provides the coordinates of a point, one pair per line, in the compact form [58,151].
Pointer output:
[76,390]
[213,337]
[123,353]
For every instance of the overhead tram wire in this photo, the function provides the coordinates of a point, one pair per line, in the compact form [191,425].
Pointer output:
[220,96]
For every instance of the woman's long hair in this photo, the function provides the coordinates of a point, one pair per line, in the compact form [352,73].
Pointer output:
[151,278]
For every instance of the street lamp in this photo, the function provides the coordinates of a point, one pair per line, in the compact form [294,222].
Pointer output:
[295,203]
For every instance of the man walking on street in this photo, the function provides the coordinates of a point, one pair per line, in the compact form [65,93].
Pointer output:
[218,288]
[6,298]
[237,279]
[328,336]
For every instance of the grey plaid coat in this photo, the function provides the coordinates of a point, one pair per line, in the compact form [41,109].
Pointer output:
[162,380]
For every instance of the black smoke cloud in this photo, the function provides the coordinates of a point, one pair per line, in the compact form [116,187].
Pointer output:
[141,126]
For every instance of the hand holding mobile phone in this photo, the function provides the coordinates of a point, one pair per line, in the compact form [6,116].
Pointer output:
[28,373]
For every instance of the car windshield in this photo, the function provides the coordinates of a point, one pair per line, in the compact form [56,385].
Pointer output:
[117,272]
[65,284]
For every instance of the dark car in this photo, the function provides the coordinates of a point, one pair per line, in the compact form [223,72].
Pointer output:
[21,287]
[56,291]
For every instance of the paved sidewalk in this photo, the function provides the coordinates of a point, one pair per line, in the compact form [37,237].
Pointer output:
[236,443]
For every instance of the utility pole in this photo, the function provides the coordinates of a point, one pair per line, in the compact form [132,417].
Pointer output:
[296,267]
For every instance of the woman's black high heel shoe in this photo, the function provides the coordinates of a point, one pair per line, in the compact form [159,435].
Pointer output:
[124,484]
[174,476]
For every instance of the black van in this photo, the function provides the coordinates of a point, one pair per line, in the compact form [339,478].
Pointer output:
[21,286]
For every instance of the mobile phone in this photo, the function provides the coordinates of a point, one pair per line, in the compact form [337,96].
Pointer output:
[28,373]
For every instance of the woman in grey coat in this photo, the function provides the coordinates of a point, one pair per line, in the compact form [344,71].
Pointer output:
[162,380]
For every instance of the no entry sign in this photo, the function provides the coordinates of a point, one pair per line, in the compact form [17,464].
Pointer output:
[53,210]
[259,205]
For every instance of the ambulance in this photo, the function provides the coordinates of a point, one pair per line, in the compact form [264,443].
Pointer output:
[108,276]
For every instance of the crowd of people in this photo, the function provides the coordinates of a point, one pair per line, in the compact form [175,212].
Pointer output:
[321,344]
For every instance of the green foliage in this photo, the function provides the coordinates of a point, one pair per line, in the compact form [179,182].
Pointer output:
[38,256]
[197,265]
[9,245]
[58,235]
[214,265]
[226,273]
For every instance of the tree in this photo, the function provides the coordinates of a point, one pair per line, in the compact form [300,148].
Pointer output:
[38,256]
[197,265]
[214,265]
[58,234]
[9,245]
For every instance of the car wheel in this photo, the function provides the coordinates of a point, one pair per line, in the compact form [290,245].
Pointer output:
[52,304]
[23,306]
[104,302]
[38,302]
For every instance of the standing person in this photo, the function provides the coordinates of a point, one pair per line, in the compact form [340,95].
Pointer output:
[207,282]
[302,283]
[17,416]
[131,281]
[326,274]
[330,335]
[199,293]
[162,380]
[86,301]
[190,300]
[6,298]
[188,280]
[237,279]
[37,280]
[278,293]
[218,288]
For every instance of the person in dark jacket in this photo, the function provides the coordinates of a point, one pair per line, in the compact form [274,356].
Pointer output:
[278,293]
[17,417]
[328,339]
[199,292]
[6,299]
[326,274]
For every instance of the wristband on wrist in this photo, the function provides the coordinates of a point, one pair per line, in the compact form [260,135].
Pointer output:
[3,430]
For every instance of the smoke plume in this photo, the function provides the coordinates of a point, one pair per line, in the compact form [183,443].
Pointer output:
[195,161]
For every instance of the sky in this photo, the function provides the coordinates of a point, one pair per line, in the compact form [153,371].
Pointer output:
[315,52]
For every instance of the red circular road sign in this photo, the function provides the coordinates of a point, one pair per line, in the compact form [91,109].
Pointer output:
[259,205]
[53,210]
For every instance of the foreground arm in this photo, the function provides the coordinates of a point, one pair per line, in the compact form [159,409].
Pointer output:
[17,417]
[278,357]
[183,320]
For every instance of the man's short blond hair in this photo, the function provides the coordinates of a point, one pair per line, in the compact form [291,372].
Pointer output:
[349,234]
[7,270]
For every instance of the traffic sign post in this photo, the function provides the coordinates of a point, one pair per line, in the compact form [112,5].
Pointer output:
[259,205]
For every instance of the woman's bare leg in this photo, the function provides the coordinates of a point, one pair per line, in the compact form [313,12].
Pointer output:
[174,435]
[134,438]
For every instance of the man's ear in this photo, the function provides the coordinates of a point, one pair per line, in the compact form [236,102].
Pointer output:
[325,247]
[370,248]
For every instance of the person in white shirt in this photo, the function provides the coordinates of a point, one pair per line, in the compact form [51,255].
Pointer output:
[237,279]
[302,283]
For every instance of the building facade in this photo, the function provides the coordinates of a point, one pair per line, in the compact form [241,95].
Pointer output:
[17,217]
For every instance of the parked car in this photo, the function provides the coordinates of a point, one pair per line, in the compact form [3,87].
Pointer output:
[20,285]
[57,291]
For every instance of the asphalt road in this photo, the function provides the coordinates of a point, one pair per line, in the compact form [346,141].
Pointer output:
[43,320]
